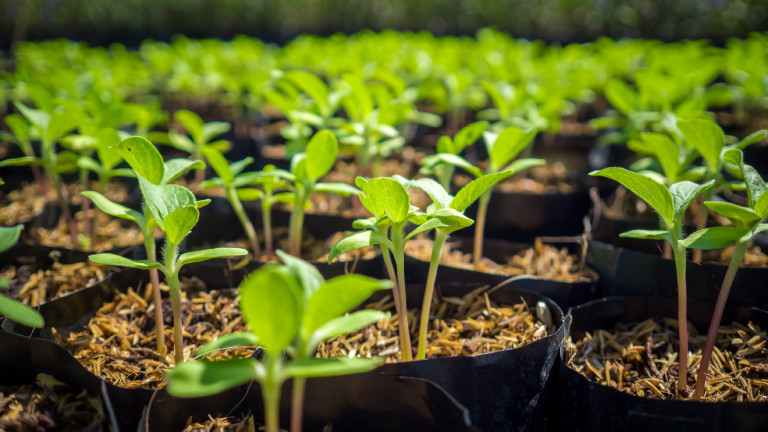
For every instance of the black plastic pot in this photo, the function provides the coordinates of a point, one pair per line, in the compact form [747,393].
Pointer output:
[521,217]
[510,390]
[588,406]
[565,294]
[625,272]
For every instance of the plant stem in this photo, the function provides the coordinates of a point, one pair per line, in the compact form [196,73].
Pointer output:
[701,221]
[482,211]
[170,252]
[63,198]
[399,253]
[682,315]
[395,291]
[437,251]
[154,277]
[297,404]
[717,315]
[266,217]
[88,224]
[250,232]
[270,392]
[297,222]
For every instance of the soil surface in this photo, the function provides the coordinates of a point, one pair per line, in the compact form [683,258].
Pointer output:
[34,288]
[641,359]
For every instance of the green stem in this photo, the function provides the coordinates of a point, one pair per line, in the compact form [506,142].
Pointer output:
[701,220]
[297,222]
[266,217]
[717,316]
[87,217]
[270,392]
[399,253]
[682,314]
[169,255]
[297,404]
[250,231]
[482,211]
[434,263]
[154,277]
[395,291]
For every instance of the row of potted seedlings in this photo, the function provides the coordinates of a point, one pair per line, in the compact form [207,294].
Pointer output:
[491,361]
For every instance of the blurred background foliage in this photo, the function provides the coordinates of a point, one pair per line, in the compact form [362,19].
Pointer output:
[131,21]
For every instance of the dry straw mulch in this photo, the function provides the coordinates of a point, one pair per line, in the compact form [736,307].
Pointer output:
[642,360]
[34,288]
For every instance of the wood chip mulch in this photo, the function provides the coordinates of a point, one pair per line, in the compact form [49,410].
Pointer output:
[109,233]
[34,288]
[119,345]
[50,405]
[541,260]
[642,360]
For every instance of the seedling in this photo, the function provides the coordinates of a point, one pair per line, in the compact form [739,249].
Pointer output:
[747,222]
[12,309]
[231,178]
[502,148]
[464,138]
[202,135]
[670,204]
[175,211]
[288,308]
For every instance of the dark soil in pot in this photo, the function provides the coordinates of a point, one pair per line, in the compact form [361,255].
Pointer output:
[629,346]
[555,272]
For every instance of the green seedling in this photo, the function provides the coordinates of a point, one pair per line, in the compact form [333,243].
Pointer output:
[288,309]
[502,149]
[670,203]
[231,179]
[12,309]
[20,136]
[307,169]
[464,138]
[202,135]
[747,222]
[174,210]
[445,215]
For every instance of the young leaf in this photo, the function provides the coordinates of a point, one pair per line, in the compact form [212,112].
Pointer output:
[197,378]
[432,188]
[429,224]
[326,367]
[508,144]
[307,274]
[228,341]
[179,223]
[740,216]
[467,136]
[20,313]
[477,187]
[345,324]
[390,196]
[9,236]
[755,183]
[337,296]
[683,193]
[647,234]
[117,260]
[715,237]
[162,200]
[652,192]
[209,254]
[175,168]
[356,241]
[219,164]
[114,209]
[621,96]
[338,188]
[143,158]
[321,154]
[191,122]
[269,301]
[706,137]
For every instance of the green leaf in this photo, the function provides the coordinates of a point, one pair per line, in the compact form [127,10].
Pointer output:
[755,184]
[208,254]
[214,129]
[270,303]
[390,197]
[430,224]
[467,135]
[143,158]
[163,200]
[647,234]
[117,260]
[652,192]
[754,137]
[219,164]
[249,194]
[237,167]
[434,189]
[191,122]
[741,216]
[326,367]
[338,188]
[666,152]
[356,241]
[106,140]
[175,168]
[21,161]
[344,325]
[451,159]
[178,224]
[508,144]
[197,378]
[706,137]
[684,193]
[114,209]
[761,205]
[477,187]
[181,142]
[228,341]
[307,274]
[86,163]
[336,297]
[20,313]
[715,237]
[310,84]
[321,154]
[621,96]
[9,236]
